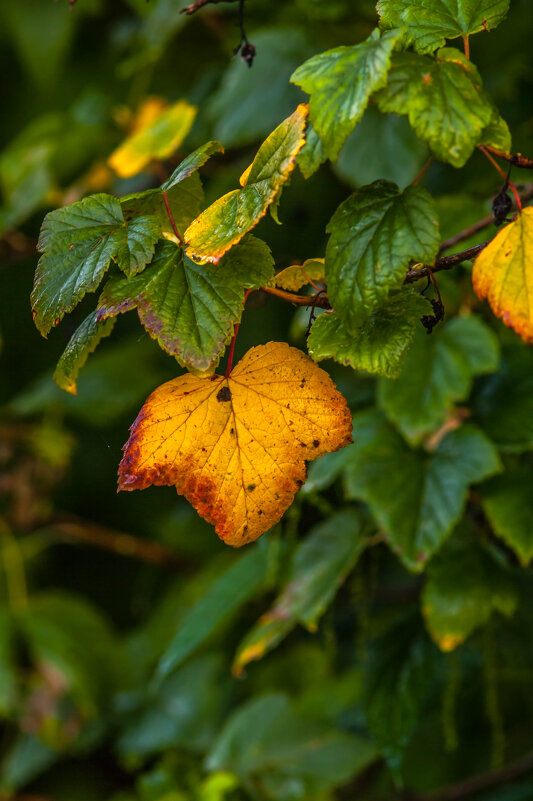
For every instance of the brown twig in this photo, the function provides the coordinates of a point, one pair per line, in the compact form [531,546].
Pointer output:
[444,263]
[518,160]
[423,171]
[299,300]
[198,4]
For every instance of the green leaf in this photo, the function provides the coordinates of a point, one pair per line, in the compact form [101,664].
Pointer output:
[190,309]
[431,22]
[438,372]
[465,584]
[229,218]
[192,163]
[502,402]
[340,82]
[312,155]
[375,234]
[267,743]
[508,503]
[8,671]
[184,198]
[497,134]
[320,565]
[82,343]
[416,497]
[399,676]
[245,578]
[443,99]
[380,344]
[78,243]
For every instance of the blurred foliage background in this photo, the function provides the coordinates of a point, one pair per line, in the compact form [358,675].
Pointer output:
[121,615]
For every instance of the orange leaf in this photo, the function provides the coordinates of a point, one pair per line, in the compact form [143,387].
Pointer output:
[503,273]
[237,447]
[228,219]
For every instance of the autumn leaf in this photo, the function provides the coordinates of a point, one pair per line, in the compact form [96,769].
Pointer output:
[297,276]
[226,221]
[503,273]
[157,135]
[237,447]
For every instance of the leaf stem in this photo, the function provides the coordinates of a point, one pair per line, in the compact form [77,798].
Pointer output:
[518,160]
[496,166]
[171,218]
[298,300]
[423,171]
[17,591]
[233,339]
[466,43]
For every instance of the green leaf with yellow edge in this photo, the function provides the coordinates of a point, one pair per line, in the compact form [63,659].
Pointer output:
[438,372]
[191,309]
[375,234]
[429,23]
[465,584]
[443,99]
[83,342]
[380,344]
[417,497]
[320,565]
[297,276]
[229,218]
[340,83]
[185,201]
[192,163]
[497,134]
[77,243]
[157,140]
[508,504]
[503,273]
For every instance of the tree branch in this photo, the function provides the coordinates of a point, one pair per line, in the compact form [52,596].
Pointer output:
[517,161]
[445,263]
[198,4]
[299,300]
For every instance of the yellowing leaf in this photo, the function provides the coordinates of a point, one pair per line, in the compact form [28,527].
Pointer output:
[229,218]
[503,273]
[296,276]
[158,134]
[237,447]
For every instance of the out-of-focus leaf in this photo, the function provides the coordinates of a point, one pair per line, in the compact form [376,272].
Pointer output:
[78,243]
[229,218]
[375,233]
[438,372]
[26,759]
[320,565]
[399,674]
[241,581]
[382,146]
[266,742]
[380,344]
[297,276]
[465,584]
[503,273]
[8,672]
[192,163]
[416,497]
[324,471]
[249,103]
[191,310]
[83,342]
[497,134]
[430,23]
[157,140]
[443,99]
[508,503]
[340,82]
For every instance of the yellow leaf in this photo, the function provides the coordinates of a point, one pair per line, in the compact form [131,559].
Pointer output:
[296,276]
[237,447]
[503,273]
[157,134]
[229,218]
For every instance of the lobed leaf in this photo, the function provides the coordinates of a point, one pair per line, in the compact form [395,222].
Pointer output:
[438,372]
[375,234]
[83,342]
[465,584]
[340,82]
[192,163]
[508,503]
[443,99]
[158,139]
[416,497]
[429,23]
[503,273]
[229,218]
[297,276]
[237,446]
[320,565]
[380,344]
[191,310]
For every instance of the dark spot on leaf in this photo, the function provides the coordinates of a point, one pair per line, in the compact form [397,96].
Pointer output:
[214,377]
[232,431]
[260,512]
[250,487]
[316,443]
[224,394]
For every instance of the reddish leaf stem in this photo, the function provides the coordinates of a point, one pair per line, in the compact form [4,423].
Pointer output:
[172,221]
[496,166]
[466,43]
[234,337]
[423,171]
[518,160]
